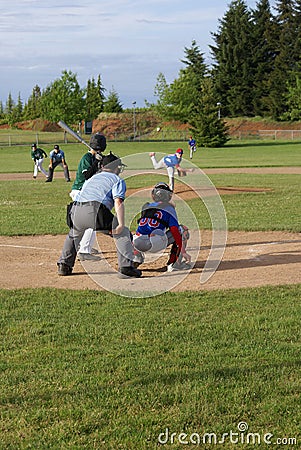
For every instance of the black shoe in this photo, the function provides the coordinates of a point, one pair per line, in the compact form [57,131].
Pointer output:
[48,181]
[64,270]
[129,272]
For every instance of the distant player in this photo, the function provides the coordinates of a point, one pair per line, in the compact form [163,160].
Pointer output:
[170,162]
[57,158]
[38,155]
[158,227]
[191,146]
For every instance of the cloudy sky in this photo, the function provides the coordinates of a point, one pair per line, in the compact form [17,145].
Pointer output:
[127,42]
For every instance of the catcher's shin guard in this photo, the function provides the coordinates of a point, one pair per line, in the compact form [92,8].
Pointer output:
[174,254]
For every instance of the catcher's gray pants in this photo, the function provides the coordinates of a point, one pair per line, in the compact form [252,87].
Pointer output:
[170,170]
[84,215]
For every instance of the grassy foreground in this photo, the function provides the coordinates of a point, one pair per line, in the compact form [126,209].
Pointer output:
[93,370]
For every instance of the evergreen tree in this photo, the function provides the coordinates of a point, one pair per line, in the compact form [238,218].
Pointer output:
[9,105]
[63,100]
[94,99]
[112,103]
[233,69]
[207,127]
[32,109]
[286,58]
[263,55]
[161,91]
[17,113]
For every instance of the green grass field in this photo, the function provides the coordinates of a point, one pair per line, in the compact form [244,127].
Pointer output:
[89,369]
[234,154]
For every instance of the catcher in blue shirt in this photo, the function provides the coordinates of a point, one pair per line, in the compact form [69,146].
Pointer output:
[158,227]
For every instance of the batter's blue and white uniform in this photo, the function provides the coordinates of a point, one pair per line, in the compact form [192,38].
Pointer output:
[92,209]
[170,162]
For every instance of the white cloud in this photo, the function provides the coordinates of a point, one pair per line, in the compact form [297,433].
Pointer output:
[127,42]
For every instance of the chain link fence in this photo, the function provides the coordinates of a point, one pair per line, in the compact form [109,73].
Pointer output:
[51,138]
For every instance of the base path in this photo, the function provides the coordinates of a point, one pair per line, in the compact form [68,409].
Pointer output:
[250,259]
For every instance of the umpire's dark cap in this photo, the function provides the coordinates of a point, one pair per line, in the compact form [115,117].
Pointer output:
[98,142]
[112,161]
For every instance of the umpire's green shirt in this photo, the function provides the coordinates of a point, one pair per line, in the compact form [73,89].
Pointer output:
[84,164]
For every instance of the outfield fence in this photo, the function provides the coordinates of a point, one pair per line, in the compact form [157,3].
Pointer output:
[267,134]
[60,137]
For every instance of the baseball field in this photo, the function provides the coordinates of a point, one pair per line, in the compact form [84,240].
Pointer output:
[212,364]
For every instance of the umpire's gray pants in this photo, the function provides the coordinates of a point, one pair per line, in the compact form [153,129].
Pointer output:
[84,216]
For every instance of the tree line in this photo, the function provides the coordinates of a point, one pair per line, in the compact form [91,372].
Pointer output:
[63,99]
[255,72]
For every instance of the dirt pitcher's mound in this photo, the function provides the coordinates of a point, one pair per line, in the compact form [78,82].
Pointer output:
[250,259]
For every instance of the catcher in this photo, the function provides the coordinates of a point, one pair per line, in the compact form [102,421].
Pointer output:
[170,162]
[158,227]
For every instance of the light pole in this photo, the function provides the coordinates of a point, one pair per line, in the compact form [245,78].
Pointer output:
[219,109]
[134,118]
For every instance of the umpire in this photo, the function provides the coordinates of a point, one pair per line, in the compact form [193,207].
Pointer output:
[92,209]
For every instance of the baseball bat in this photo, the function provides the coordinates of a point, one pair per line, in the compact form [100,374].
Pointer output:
[76,136]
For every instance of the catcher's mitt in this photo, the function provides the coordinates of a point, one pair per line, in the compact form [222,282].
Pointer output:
[182,173]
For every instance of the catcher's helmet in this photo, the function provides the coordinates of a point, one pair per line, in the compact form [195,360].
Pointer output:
[98,142]
[161,192]
[113,162]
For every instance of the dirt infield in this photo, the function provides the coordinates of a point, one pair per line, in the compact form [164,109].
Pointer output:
[250,259]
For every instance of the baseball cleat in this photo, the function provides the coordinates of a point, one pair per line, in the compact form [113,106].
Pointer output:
[64,270]
[138,258]
[178,266]
[94,251]
[125,272]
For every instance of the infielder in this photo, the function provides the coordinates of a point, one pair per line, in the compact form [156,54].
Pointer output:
[92,209]
[88,166]
[191,146]
[158,227]
[170,162]
[57,158]
[38,155]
